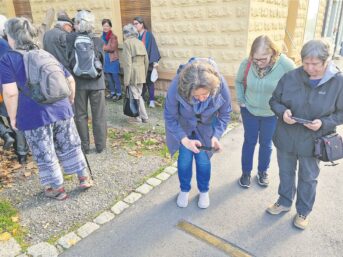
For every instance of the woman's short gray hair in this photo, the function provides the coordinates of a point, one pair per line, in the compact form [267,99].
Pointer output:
[198,74]
[84,21]
[316,48]
[21,31]
[130,31]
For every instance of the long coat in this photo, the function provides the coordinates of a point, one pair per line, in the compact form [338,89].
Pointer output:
[135,62]
[181,120]
[112,48]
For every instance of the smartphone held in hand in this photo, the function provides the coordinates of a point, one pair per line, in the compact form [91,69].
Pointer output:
[301,121]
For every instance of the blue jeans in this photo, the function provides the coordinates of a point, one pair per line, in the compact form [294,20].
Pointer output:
[261,128]
[113,83]
[203,169]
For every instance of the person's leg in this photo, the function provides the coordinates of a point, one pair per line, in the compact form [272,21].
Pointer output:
[203,171]
[5,135]
[98,108]
[116,79]
[111,85]
[184,168]
[287,166]
[307,184]
[137,94]
[251,129]
[22,148]
[81,117]
[151,89]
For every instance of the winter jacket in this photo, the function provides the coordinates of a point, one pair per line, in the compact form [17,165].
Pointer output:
[112,48]
[259,90]
[180,119]
[135,62]
[324,102]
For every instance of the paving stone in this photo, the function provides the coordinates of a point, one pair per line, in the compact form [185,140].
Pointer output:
[9,248]
[68,240]
[131,198]
[60,249]
[104,217]
[153,182]
[144,189]
[163,176]
[43,249]
[119,207]
[87,229]
[170,170]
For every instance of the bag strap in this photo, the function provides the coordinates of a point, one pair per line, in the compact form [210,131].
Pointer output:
[246,76]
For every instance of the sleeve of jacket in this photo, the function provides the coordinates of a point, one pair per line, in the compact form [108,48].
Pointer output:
[127,63]
[224,111]
[154,55]
[239,82]
[112,44]
[275,101]
[330,122]
[171,112]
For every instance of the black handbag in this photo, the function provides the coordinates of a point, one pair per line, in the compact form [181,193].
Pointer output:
[329,148]
[131,106]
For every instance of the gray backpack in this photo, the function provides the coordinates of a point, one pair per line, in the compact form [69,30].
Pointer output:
[88,64]
[46,80]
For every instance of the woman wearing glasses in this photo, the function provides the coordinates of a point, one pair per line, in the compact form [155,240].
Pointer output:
[256,80]
[197,111]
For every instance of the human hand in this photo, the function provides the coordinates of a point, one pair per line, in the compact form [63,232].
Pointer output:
[216,144]
[287,117]
[314,125]
[191,144]
[14,124]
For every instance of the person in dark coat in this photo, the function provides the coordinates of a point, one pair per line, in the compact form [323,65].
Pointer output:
[197,111]
[153,53]
[88,89]
[313,92]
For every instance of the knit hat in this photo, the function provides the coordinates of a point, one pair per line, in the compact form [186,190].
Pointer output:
[63,16]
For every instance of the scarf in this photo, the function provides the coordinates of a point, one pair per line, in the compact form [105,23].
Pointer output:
[106,36]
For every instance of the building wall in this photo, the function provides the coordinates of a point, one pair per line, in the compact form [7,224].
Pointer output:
[320,18]
[7,8]
[202,28]
[268,17]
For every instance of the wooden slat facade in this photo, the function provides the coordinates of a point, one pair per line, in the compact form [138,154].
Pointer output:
[22,8]
[132,8]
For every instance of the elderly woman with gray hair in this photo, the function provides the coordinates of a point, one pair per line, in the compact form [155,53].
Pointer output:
[312,92]
[135,65]
[49,128]
[92,89]
[197,111]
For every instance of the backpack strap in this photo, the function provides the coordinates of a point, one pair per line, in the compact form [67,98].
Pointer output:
[246,76]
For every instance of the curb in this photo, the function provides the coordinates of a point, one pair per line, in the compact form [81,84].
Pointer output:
[44,249]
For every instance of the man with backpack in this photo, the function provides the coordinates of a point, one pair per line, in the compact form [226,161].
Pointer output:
[85,56]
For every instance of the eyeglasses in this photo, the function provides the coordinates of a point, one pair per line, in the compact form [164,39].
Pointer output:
[136,23]
[255,60]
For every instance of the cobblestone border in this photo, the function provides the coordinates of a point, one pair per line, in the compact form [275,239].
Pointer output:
[44,249]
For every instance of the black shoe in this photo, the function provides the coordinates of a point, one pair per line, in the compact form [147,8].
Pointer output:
[8,141]
[244,181]
[117,98]
[22,159]
[262,179]
[99,150]
[110,96]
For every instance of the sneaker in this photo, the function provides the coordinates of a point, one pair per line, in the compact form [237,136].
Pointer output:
[262,179]
[85,182]
[110,96]
[58,194]
[152,104]
[277,208]
[244,181]
[204,200]
[182,199]
[117,98]
[300,221]
[144,120]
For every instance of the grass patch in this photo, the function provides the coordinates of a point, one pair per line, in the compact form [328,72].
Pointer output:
[235,116]
[9,222]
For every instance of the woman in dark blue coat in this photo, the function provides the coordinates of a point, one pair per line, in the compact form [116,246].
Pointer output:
[197,112]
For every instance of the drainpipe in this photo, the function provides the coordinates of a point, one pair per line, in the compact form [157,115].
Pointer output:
[338,30]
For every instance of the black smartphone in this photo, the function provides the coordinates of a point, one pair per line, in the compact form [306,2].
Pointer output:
[301,121]
[207,148]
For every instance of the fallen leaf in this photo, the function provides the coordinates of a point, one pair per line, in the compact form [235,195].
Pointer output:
[72,242]
[31,165]
[5,236]
[15,218]
[16,166]
[27,174]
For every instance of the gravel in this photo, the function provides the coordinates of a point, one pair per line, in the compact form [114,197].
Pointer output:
[116,174]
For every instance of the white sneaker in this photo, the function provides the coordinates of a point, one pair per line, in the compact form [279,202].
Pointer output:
[204,200]
[152,104]
[182,199]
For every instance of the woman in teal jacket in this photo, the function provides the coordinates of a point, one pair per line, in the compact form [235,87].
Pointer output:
[256,80]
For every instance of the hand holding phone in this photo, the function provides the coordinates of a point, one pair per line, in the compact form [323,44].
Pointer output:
[207,148]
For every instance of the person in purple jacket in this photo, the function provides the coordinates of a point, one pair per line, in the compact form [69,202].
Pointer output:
[49,129]
[197,111]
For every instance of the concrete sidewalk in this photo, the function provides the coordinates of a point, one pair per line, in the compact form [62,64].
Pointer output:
[148,228]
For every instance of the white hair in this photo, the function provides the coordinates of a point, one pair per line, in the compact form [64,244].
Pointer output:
[85,21]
